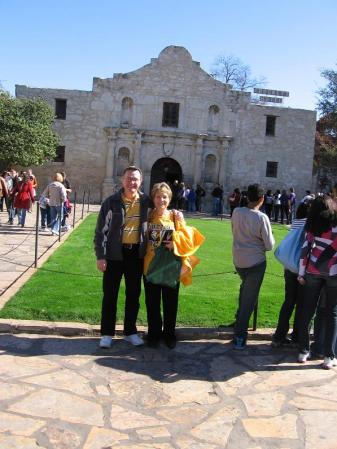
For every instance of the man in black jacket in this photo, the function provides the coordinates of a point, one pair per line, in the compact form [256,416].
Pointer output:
[120,245]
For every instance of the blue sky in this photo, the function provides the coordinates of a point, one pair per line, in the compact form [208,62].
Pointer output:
[65,43]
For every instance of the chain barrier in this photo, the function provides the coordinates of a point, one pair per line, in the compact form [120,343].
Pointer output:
[99,276]
[16,246]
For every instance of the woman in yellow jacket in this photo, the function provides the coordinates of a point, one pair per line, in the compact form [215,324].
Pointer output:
[167,228]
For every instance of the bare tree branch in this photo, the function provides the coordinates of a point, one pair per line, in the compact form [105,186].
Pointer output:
[231,70]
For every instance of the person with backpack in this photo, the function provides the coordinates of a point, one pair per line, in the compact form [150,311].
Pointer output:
[317,270]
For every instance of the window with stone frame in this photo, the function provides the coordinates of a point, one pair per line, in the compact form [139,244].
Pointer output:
[170,115]
[270,125]
[210,166]
[60,108]
[271,169]
[60,153]
[127,108]
[213,118]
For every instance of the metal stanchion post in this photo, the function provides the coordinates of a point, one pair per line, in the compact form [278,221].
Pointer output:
[60,220]
[74,208]
[83,199]
[88,200]
[37,233]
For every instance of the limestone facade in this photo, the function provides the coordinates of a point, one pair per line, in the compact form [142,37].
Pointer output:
[213,134]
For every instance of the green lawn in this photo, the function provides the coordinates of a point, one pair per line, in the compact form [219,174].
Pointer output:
[68,286]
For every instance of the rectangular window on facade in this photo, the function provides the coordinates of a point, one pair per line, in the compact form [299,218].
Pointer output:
[270,125]
[60,152]
[60,108]
[271,169]
[171,114]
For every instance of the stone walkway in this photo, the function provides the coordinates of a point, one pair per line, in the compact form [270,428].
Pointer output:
[58,392]
[64,393]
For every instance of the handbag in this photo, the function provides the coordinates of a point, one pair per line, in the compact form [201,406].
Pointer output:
[164,268]
[288,251]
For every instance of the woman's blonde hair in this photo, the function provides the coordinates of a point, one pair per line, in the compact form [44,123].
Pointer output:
[161,187]
[58,177]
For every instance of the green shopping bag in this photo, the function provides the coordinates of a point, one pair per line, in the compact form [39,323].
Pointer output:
[164,268]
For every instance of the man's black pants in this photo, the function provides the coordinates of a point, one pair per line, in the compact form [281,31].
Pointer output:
[132,269]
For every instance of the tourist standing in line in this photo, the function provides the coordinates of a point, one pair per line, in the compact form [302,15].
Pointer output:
[277,205]
[318,269]
[217,198]
[23,197]
[292,204]
[66,204]
[56,193]
[293,294]
[252,237]
[285,206]
[11,181]
[234,200]
[120,245]
[199,194]
[191,200]
[3,191]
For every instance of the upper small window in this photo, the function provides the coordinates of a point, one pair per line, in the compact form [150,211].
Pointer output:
[60,108]
[270,125]
[213,118]
[127,106]
[271,169]
[60,153]
[171,114]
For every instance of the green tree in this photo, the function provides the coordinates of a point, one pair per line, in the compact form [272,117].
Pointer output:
[326,131]
[26,134]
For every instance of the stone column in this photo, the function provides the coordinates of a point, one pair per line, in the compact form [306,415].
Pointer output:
[108,183]
[198,160]
[137,147]
[223,149]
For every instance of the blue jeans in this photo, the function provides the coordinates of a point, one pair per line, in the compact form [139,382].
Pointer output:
[56,214]
[191,206]
[22,216]
[251,280]
[216,206]
[10,209]
[312,289]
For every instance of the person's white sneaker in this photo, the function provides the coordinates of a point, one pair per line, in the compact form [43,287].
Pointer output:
[303,357]
[134,339]
[105,341]
[329,362]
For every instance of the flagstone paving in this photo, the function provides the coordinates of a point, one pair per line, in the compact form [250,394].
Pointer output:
[66,393]
[58,392]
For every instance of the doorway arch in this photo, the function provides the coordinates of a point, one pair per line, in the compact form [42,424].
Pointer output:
[167,170]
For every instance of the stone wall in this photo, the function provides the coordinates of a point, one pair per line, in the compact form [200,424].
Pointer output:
[120,122]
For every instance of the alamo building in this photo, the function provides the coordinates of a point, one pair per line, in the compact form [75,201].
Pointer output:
[175,121]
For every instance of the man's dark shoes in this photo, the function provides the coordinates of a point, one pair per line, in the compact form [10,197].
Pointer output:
[170,342]
[151,342]
[283,343]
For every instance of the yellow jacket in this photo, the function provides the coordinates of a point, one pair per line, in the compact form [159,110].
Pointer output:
[186,241]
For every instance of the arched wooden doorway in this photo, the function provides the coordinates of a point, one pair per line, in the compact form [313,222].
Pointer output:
[165,170]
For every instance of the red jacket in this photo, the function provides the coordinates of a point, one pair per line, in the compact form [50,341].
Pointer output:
[24,195]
